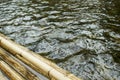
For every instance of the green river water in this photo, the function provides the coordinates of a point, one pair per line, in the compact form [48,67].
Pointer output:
[81,36]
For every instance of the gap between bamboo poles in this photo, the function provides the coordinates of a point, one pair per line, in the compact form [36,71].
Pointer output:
[37,62]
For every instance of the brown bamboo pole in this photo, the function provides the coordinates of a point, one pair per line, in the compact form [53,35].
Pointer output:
[2,77]
[13,75]
[21,69]
[44,66]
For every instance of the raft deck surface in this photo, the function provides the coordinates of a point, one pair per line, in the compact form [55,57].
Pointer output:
[15,69]
[17,61]
[2,76]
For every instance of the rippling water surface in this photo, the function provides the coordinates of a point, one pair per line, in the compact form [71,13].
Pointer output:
[82,36]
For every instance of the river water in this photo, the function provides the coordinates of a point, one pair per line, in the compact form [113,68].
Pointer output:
[81,36]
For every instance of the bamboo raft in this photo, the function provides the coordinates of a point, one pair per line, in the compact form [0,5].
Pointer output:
[19,63]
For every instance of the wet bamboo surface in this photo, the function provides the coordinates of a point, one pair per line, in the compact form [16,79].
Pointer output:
[17,66]
[11,73]
[35,61]
[2,76]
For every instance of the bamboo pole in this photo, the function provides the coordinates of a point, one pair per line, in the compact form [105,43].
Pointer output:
[2,77]
[39,63]
[13,75]
[21,69]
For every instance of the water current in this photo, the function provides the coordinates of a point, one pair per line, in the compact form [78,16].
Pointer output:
[81,36]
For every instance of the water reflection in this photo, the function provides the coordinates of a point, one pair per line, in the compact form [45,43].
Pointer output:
[81,36]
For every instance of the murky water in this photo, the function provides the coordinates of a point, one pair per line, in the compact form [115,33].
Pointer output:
[82,36]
